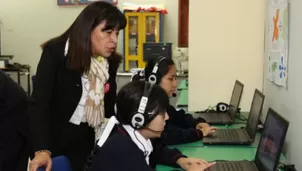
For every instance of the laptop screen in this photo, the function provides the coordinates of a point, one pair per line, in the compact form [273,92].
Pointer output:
[254,114]
[271,142]
[235,99]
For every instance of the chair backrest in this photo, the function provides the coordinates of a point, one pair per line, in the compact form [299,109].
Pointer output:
[60,163]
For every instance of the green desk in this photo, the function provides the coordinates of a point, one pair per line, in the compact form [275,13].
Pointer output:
[183,85]
[183,99]
[218,153]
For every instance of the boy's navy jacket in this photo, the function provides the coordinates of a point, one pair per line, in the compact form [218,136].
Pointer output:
[181,127]
[119,152]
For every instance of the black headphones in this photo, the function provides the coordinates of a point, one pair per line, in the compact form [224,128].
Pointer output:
[222,107]
[140,117]
[142,75]
[153,76]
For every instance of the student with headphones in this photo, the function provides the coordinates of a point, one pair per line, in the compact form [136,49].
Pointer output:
[126,141]
[181,127]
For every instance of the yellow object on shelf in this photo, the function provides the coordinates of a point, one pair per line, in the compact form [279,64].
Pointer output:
[141,27]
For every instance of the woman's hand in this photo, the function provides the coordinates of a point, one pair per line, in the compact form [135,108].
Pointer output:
[186,163]
[41,159]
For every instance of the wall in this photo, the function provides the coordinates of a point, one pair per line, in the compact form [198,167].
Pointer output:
[287,101]
[226,43]
[28,23]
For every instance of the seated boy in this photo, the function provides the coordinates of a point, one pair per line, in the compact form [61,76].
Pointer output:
[130,139]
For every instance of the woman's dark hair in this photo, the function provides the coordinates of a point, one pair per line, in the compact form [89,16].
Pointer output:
[79,33]
[163,69]
[129,97]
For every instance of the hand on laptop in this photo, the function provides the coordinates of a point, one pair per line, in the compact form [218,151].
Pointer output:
[206,131]
[200,167]
[193,164]
[201,125]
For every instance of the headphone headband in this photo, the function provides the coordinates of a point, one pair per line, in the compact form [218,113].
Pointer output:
[139,119]
[144,99]
[153,78]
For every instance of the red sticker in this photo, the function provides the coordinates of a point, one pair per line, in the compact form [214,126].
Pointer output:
[106,88]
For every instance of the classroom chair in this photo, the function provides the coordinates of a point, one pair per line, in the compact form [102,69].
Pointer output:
[60,163]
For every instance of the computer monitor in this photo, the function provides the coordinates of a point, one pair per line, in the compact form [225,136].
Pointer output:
[235,99]
[153,50]
[271,141]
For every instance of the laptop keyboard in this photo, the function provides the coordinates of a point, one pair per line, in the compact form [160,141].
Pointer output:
[234,166]
[215,117]
[229,134]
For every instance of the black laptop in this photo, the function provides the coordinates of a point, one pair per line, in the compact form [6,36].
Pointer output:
[268,151]
[240,135]
[229,116]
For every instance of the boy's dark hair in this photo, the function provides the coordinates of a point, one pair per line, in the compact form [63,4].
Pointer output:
[79,33]
[129,97]
[163,69]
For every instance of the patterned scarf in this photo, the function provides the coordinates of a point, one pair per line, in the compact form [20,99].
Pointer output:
[98,76]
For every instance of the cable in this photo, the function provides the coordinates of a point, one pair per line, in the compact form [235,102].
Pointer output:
[286,166]
[145,151]
[241,117]
[209,109]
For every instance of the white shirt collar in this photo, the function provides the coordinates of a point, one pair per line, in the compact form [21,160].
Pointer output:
[107,130]
[140,141]
[137,138]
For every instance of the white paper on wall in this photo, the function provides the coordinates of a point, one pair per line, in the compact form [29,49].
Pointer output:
[278,42]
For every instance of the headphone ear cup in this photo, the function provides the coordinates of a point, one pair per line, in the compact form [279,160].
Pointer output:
[138,121]
[152,79]
[222,107]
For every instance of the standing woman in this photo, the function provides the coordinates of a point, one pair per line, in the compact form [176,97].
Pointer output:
[75,87]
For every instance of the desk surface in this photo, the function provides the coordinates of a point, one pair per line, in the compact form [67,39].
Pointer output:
[15,69]
[183,99]
[10,69]
[183,85]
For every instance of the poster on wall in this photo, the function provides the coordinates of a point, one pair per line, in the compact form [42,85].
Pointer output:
[82,2]
[278,42]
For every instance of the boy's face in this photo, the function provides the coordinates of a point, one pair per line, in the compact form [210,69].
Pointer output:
[158,124]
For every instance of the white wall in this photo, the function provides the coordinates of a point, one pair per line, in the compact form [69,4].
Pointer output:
[226,40]
[288,101]
[28,23]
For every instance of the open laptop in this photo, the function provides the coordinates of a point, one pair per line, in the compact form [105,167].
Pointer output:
[268,151]
[229,116]
[240,135]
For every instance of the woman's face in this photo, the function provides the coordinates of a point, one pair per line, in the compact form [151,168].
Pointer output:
[157,125]
[103,42]
[168,82]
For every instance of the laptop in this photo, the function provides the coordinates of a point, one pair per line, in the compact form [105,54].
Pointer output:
[240,135]
[229,116]
[268,151]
